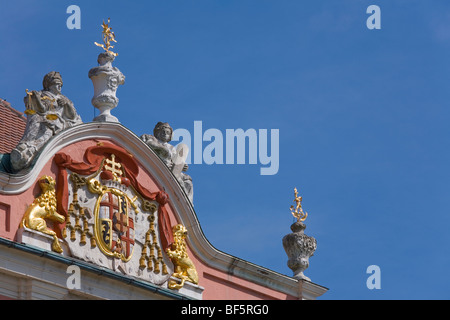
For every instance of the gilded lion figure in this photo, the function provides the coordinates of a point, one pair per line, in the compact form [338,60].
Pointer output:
[44,207]
[184,268]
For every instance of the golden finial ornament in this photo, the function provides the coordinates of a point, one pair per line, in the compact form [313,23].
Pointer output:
[297,211]
[108,36]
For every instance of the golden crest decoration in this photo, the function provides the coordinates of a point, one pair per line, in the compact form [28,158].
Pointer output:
[114,224]
[109,223]
[114,220]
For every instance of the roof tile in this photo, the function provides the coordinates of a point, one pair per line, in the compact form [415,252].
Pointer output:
[12,126]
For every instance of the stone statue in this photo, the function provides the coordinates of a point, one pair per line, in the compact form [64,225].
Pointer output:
[48,113]
[173,157]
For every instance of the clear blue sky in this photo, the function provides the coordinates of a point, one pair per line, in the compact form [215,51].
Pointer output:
[363,117]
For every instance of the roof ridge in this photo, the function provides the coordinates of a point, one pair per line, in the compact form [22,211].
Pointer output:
[6,104]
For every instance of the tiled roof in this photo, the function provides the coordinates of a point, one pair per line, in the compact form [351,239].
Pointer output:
[12,126]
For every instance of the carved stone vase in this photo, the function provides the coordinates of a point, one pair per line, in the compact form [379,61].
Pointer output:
[299,247]
[106,80]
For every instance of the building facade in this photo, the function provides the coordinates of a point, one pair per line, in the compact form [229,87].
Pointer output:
[92,211]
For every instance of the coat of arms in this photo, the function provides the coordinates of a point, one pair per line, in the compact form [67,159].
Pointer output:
[112,220]
[114,224]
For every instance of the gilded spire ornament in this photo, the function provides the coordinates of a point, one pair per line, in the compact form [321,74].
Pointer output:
[108,36]
[297,210]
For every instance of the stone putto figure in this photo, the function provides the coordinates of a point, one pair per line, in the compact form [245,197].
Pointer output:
[173,157]
[48,113]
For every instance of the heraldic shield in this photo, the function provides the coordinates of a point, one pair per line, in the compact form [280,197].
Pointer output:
[114,224]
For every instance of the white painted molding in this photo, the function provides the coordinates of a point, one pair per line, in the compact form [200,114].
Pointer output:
[26,274]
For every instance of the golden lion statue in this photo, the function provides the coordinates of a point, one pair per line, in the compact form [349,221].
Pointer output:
[184,268]
[44,207]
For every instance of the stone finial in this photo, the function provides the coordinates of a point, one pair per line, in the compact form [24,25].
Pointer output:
[106,79]
[298,246]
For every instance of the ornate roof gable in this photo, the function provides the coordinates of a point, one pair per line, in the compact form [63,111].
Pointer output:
[110,205]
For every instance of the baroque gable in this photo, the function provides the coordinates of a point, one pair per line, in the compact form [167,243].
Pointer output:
[98,196]
[154,199]
[116,211]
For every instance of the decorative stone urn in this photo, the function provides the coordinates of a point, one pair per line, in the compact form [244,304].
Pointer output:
[106,80]
[299,247]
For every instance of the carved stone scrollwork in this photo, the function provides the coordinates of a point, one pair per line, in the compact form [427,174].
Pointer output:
[299,247]
[106,79]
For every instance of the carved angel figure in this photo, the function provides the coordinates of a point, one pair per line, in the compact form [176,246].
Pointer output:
[48,113]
